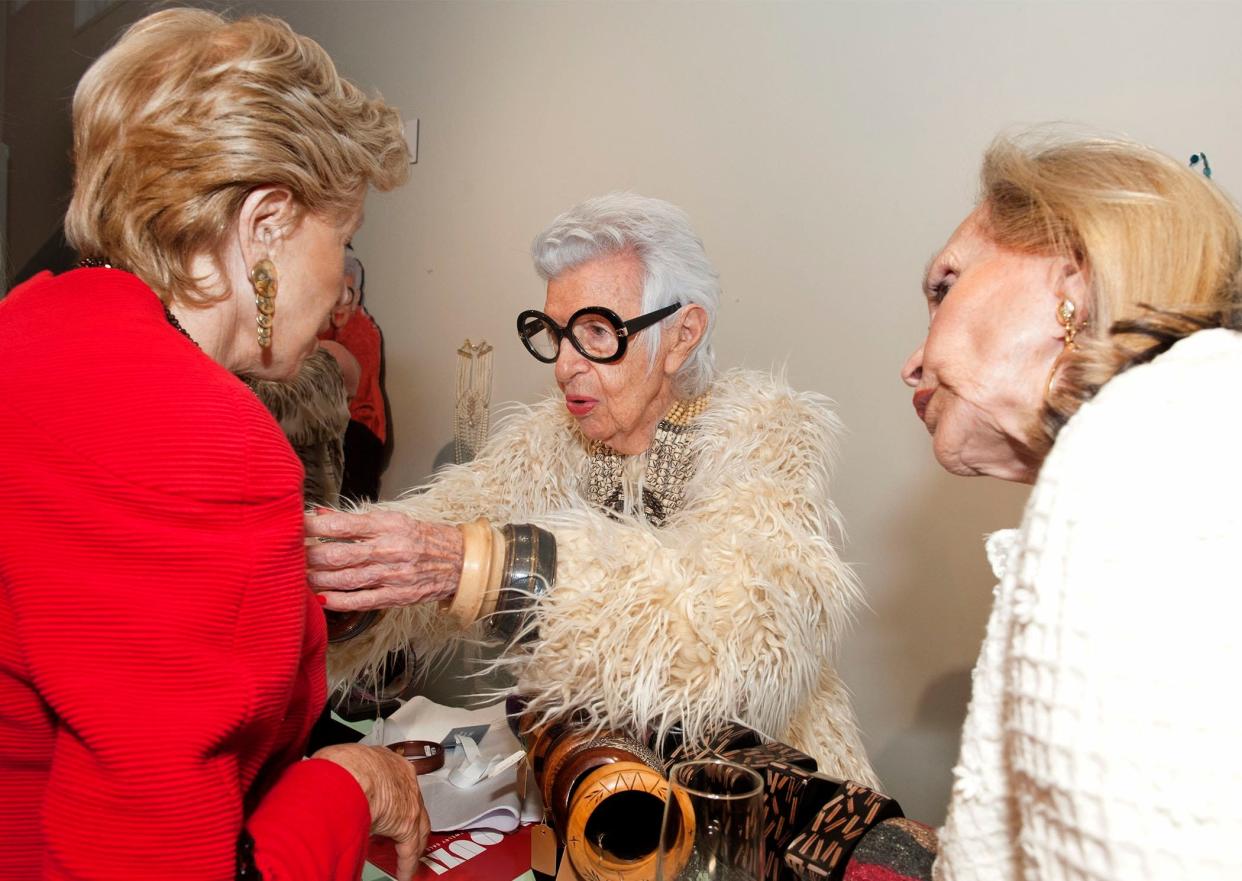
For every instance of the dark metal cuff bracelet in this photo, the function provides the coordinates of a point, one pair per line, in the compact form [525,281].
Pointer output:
[343,626]
[530,571]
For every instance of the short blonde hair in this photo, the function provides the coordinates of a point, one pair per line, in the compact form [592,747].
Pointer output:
[188,113]
[1161,244]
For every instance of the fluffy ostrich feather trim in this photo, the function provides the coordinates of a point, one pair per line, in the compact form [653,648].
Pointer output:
[729,612]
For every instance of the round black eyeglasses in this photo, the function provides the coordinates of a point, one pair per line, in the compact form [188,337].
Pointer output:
[597,333]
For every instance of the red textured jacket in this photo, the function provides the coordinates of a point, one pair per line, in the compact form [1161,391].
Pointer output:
[361,336]
[161,658]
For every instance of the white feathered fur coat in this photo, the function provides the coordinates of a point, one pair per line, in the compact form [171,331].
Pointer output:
[729,612]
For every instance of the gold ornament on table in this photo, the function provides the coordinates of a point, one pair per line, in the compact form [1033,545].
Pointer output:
[472,417]
[263,280]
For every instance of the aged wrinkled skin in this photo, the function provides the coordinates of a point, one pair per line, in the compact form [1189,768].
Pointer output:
[396,558]
[396,802]
[992,343]
[382,559]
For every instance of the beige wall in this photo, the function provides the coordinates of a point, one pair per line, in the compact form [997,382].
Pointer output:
[824,151]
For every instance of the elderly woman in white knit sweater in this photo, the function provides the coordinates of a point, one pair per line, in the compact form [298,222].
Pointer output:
[1084,338]
[657,539]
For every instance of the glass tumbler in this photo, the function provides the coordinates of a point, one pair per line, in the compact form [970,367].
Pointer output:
[713,823]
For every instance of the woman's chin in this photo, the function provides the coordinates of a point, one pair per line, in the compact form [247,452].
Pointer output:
[958,468]
[276,369]
[952,456]
[1009,468]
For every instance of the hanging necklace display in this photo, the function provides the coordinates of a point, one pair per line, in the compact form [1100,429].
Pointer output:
[472,417]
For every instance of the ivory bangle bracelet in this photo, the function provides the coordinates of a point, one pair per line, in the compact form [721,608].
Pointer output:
[492,596]
[425,755]
[476,564]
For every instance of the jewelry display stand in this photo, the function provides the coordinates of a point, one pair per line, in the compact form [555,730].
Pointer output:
[472,416]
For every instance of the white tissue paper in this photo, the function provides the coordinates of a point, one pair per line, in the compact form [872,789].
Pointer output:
[473,767]
[477,787]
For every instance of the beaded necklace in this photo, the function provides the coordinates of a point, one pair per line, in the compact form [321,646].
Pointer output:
[658,476]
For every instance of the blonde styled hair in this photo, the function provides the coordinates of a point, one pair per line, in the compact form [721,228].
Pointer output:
[188,113]
[1161,244]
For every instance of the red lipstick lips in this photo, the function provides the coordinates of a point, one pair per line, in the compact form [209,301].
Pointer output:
[921,399]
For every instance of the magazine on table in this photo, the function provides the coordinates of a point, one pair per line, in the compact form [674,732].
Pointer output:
[480,855]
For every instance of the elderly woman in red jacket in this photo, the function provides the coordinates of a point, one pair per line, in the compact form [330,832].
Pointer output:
[161,658]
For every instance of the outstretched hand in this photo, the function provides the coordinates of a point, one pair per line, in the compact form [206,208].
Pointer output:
[380,559]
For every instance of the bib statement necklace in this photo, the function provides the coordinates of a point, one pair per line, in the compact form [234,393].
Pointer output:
[661,473]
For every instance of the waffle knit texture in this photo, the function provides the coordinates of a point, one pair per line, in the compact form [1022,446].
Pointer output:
[1102,736]
[160,653]
[730,611]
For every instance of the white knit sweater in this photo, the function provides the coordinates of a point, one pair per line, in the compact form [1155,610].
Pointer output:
[1104,736]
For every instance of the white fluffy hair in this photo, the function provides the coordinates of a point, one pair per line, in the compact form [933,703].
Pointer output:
[676,266]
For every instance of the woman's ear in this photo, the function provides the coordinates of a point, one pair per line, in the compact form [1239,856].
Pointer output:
[687,334]
[1074,284]
[267,214]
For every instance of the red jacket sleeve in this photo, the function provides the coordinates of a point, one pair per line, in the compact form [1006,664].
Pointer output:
[161,658]
[314,823]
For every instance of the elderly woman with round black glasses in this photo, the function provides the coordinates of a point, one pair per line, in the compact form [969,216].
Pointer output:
[654,544]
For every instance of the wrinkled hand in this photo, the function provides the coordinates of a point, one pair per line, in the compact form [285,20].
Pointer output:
[380,559]
[391,787]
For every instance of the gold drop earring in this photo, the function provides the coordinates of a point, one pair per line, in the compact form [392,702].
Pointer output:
[263,280]
[1065,317]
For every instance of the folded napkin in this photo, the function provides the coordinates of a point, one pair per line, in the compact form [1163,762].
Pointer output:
[493,802]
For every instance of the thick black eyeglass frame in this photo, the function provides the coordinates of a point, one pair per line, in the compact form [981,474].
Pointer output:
[623,329]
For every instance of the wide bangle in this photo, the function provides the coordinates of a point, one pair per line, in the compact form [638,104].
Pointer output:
[529,573]
[343,626]
[477,588]
[424,756]
[821,851]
